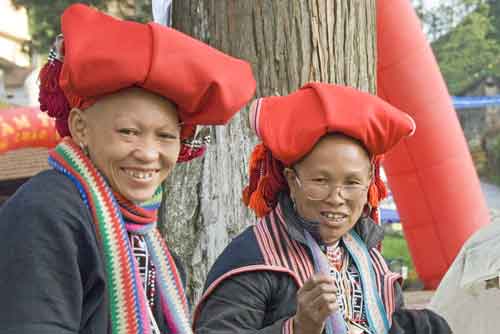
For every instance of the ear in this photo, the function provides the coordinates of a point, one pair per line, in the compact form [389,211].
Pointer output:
[290,177]
[78,126]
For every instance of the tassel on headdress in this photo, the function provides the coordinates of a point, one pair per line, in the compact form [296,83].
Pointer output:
[377,190]
[195,144]
[51,97]
[188,153]
[266,181]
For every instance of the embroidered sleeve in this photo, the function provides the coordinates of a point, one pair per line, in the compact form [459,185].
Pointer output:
[287,326]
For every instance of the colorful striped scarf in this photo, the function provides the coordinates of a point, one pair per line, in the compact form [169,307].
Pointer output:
[113,217]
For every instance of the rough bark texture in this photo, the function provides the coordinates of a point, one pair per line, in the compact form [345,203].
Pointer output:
[288,43]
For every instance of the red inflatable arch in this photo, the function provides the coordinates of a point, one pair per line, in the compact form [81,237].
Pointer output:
[431,174]
[26,127]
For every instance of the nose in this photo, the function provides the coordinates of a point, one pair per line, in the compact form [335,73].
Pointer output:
[146,152]
[335,196]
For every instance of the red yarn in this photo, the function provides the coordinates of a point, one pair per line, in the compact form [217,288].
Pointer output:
[188,153]
[266,181]
[377,190]
[52,99]
[258,201]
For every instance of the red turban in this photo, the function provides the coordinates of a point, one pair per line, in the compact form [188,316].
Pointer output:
[289,127]
[103,54]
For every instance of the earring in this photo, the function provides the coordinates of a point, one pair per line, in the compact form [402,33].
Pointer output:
[84,149]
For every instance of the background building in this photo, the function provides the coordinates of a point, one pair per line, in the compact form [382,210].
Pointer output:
[18,75]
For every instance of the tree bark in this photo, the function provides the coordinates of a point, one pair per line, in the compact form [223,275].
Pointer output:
[288,43]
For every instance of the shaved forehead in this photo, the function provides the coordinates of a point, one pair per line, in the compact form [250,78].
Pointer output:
[121,100]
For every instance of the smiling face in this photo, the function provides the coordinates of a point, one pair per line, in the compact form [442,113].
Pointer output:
[336,160]
[133,138]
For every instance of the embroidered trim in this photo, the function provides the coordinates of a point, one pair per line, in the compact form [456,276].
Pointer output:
[287,327]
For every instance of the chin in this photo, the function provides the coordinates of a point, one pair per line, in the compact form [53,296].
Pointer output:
[330,238]
[136,196]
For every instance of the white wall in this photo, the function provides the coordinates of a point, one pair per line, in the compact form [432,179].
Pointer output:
[13,31]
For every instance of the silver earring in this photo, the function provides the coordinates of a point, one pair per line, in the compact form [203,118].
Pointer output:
[84,149]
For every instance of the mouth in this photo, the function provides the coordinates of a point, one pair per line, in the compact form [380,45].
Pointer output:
[140,175]
[334,218]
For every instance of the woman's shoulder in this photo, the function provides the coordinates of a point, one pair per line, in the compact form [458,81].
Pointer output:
[370,232]
[243,251]
[47,196]
[46,186]
[49,181]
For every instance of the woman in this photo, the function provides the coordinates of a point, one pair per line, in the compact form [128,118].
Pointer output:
[311,263]
[80,250]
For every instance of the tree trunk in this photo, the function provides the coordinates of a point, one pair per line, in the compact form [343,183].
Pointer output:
[288,43]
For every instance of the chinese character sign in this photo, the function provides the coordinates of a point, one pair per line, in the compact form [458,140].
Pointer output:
[26,127]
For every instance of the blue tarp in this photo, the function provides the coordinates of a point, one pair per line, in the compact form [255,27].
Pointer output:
[389,216]
[464,102]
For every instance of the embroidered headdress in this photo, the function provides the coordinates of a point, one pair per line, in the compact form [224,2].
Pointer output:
[98,55]
[289,127]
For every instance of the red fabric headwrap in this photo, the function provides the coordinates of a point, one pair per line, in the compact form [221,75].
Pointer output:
[103,55]
[290,126]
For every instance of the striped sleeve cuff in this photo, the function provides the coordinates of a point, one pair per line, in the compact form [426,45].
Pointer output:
[287,327]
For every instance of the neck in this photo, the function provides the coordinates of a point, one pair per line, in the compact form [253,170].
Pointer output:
[309,226]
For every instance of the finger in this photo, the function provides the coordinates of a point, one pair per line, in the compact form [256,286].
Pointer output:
[325,304]
[319,290]
[313,305]
[327,310]
[306,298]
[323,299]
[315,280]
[321,307]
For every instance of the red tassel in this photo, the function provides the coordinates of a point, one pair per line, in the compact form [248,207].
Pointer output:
[255,167]
[377,190]
[257,156]
[378,181]
[266,181]
[257,201]
[52,98]
[373,195]
[252,185]
[188,153]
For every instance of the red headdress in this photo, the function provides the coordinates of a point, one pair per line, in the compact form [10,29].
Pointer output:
[101,55]
[290,126]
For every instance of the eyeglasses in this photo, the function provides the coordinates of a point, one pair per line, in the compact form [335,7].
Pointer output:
[319,191]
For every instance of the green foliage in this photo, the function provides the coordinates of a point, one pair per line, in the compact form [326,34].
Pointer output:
[395,247]
[496,161]
[44,16]
[495,14]
[470,50]
[418,5]
[438,21]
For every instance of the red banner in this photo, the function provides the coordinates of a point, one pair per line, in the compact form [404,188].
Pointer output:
[26,127]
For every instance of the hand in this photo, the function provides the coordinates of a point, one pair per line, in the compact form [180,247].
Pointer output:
[316,300]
